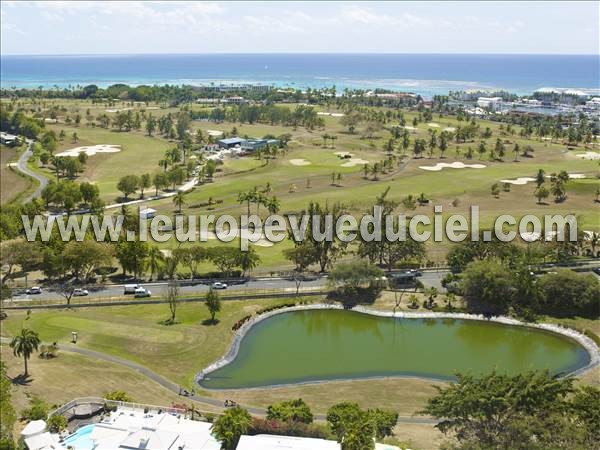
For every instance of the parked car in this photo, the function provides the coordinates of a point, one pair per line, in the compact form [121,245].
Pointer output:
[34,290]
[80,292]
[596,270]
[219,285]
[141,292]
[130,288]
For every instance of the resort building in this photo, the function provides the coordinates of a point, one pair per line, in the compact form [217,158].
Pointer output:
[230,142]
[246,145]
[271,442]
[492,103]
[130,428]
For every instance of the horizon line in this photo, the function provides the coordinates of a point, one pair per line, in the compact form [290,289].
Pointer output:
[292,53]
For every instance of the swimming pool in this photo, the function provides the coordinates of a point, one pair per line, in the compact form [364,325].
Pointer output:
[81,439]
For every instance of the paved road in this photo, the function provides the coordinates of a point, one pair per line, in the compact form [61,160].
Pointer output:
[174,388]
[429,278]
[22,166]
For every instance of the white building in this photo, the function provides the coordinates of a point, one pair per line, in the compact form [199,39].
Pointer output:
[270,442]
[593,104]
[492,103]
[134,429]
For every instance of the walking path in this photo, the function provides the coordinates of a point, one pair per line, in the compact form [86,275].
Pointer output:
[22,166]
[175,389]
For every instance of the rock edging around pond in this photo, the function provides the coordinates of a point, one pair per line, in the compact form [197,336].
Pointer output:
[588,344]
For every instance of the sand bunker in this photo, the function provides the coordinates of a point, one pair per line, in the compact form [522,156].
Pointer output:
[116,110]
[454,165]
[261,241]
[214,133]
[433,125]
[525,180]
[355,162]
[50,120]
[300,162]
[451,129]
[322,113]
[91,150]
[406,127]
[589,155]
[518,181]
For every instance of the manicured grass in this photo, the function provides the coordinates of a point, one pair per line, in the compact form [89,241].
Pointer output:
[313,182]
[177,351]
[12,182]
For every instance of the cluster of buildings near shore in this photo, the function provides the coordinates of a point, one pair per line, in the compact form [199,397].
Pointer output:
[139,427]
[542,101]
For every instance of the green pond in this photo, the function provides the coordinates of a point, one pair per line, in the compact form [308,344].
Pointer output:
[318,345]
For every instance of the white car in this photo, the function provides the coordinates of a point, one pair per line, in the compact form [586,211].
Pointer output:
[80,292]
[219,285]
[34,290]
[142,292]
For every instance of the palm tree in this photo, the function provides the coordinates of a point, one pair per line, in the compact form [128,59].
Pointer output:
[273,205]
[25,344]
[179,200]
[247,197]
[155,260]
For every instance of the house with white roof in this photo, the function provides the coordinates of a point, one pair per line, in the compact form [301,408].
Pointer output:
[271,442]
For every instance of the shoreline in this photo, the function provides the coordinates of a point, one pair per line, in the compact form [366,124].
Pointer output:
[588,344]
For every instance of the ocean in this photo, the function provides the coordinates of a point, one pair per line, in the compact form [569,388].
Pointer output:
[425,74]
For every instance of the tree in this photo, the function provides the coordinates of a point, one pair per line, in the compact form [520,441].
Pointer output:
[145,182]
[569,292]
[248,260]
[128,184]
[290,411]
[150,125]
[532,410]
[487,287]
[352,426]
[213,303]
[541,193]
[172,297]
[24,344]
[85,257]
[350,276]
[179,200]
[8,416]
[155,260]
[132,255]
[495,190]
[226,259]
[230,426]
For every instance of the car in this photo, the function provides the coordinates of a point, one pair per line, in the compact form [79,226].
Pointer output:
[142,293]
[34,290]
[416,273]
[219,285]
[80,292]
[130,288]
[596,270]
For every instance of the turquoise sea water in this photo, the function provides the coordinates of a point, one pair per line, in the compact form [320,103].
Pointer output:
[426,74]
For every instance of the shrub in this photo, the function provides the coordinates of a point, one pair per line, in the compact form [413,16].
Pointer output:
[57,423]
[38,410]
[279,428]
[118,396]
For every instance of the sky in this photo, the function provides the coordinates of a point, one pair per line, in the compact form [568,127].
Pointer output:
[119,27]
